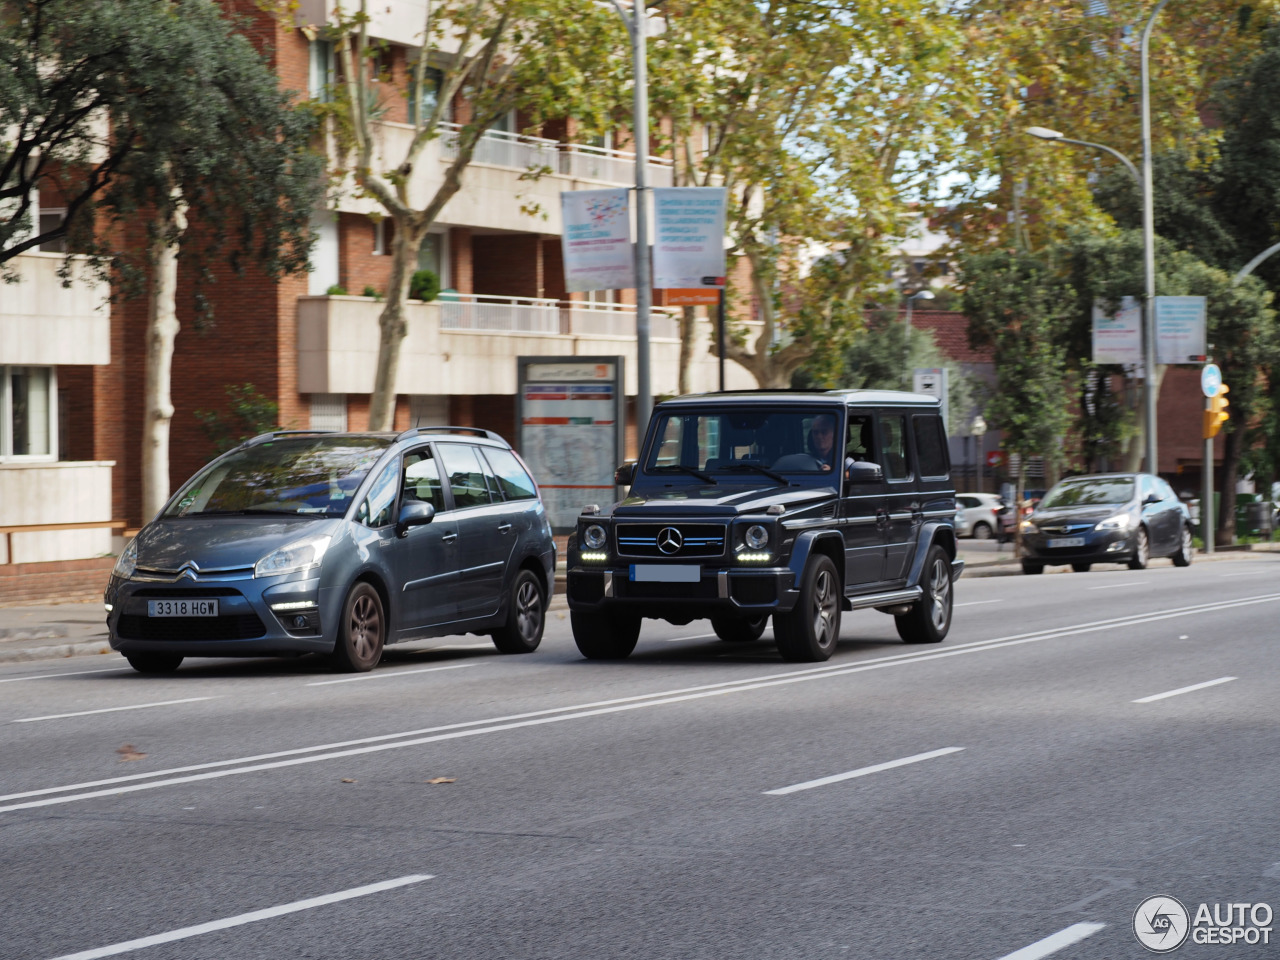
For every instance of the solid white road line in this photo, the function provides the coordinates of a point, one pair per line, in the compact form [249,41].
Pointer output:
[862,772]
[135,706]
[701,636]
[1113,586]
[387,674]
[71,673]
[1052,944]
[240,920]
[579,711]
[1195,686]
[975,603]
[1247,573]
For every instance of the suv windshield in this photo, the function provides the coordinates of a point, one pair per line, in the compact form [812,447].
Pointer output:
[298,475]
[750,444]
[1080,493]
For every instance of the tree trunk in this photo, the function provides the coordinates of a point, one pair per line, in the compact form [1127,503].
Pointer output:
[1226,518]
[392,325]
[162,330]
[1019,490]
[688,336]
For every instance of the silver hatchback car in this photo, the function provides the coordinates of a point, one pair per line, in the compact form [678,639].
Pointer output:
[337,544]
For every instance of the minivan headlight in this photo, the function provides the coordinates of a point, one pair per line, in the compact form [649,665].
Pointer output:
[128,561]
[594,536]
[293,557]
[1121,521]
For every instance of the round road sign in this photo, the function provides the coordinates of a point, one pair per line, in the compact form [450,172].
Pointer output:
[1210,379]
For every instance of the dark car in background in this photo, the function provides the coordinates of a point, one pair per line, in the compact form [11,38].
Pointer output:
[1107,518]
[337,544]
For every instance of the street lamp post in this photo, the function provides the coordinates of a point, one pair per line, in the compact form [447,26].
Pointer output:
[978,429]
[1149,254]
[637,25]
[1044,133]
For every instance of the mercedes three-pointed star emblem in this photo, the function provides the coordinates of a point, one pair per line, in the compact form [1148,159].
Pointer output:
[669,540]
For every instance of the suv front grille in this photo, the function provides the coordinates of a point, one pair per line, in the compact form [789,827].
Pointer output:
[648,540]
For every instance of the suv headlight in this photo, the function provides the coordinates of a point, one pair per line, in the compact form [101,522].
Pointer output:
[1121,521]
[293,557]
[128,561]
[594,536]
[756,537]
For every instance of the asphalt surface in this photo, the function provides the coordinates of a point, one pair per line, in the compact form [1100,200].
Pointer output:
[1016,791]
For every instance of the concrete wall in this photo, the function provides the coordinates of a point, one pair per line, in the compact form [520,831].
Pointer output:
[44,323]
[67,492]
[338,350]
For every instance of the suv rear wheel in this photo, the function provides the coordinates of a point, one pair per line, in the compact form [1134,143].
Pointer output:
[604,636]
[929,620]
[809,632]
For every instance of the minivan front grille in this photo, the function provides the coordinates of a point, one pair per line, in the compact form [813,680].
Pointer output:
[670,540]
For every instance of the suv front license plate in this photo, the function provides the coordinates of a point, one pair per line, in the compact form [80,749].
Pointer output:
[182,608]
[1066,542]
[665,573]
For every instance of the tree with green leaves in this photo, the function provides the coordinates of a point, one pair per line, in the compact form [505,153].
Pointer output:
[822,120]
[1017,309]
[544,59]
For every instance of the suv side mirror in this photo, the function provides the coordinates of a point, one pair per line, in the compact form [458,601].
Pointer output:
[861,471]
[414,513]
[625,474]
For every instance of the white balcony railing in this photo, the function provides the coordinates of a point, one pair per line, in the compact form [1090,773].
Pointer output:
[611,166]
[618,320]
[469,311]
[502,149]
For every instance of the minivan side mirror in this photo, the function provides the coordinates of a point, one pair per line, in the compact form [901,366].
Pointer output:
[414,513]
[625,474]
[862,471]
[1151,498]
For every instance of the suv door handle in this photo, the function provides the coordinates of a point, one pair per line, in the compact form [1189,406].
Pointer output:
[504,527]
[449,538]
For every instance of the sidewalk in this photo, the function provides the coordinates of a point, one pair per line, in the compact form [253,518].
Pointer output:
[54,631]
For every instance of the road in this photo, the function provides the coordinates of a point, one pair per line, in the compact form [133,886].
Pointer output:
[1080,742]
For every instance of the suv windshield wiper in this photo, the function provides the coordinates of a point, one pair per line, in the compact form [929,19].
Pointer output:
[705,477]
[739,467]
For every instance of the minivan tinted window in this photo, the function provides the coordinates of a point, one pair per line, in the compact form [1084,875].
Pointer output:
[298,475]
[514,482]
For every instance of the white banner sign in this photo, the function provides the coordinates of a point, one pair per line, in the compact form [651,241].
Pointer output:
[597,240]
[688,248]
[1117,338]
[1180,329]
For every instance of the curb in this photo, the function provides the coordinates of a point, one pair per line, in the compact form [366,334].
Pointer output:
[56,651]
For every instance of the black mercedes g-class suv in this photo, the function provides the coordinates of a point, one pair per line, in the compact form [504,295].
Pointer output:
[795,505]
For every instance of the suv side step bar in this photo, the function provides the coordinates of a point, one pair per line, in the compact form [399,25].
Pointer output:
[891,599]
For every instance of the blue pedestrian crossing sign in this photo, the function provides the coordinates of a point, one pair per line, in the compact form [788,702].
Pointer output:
[1210,379]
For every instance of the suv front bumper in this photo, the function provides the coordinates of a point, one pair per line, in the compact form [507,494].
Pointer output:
[757,591]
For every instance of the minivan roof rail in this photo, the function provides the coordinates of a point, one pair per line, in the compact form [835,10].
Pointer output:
[469,431]
[274,434]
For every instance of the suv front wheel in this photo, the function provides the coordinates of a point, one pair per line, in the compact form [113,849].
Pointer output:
[929,620]
[808,633]
[604,636]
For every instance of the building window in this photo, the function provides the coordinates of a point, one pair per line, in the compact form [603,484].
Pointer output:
[29,401]
[329,412]
[320,80]
[380,237]
[433,256]
[50,219]
[425,100]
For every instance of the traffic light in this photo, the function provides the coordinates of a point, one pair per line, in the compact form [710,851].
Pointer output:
[1216,415]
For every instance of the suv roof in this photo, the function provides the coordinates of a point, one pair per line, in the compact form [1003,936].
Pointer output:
[854,397]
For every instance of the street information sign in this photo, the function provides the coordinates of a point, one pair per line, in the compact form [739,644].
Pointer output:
[570,430]
[1210,380]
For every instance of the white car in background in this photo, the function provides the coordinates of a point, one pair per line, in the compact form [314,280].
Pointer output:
[981,515]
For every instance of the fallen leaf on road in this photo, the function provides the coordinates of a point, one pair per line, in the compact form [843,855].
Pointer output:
[443,780]
[347,780]
[127,753]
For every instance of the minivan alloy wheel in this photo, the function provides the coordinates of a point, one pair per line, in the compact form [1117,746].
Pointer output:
[361,632]
[526,616]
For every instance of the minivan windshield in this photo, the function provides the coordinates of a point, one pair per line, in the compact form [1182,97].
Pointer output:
[1092,492]
[746,445]
[312,476]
